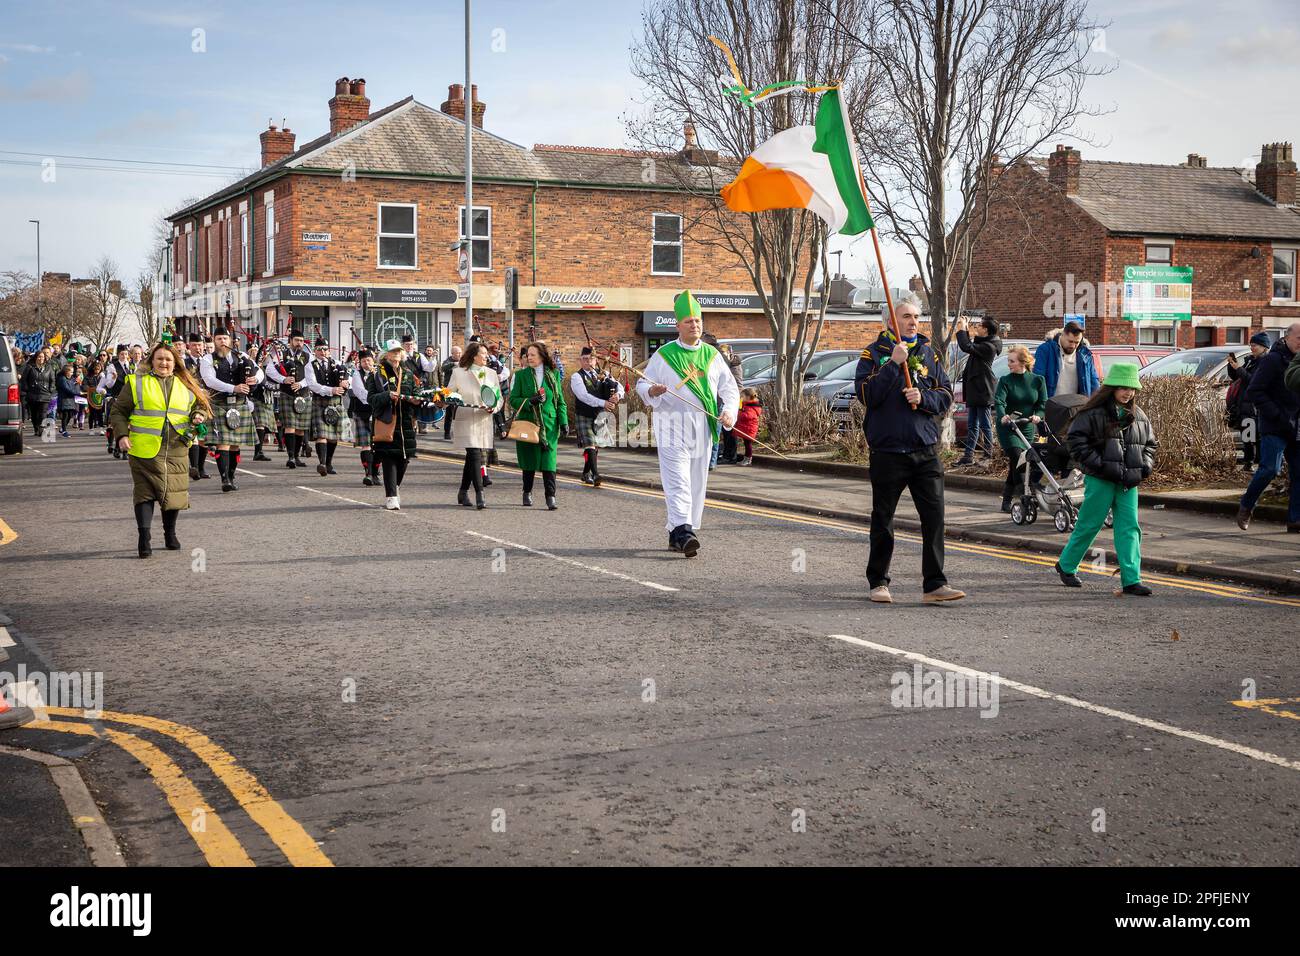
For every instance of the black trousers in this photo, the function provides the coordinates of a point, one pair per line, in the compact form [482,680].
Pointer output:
[394,472]
[548,482]
[472,474]
[921,473]
[447,419]
[37,411]
[728,445]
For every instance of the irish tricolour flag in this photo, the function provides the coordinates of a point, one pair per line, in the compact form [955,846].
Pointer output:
[807,167]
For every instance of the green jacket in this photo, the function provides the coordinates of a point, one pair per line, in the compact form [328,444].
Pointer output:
[1291,378]
[1021,394]
[551,414]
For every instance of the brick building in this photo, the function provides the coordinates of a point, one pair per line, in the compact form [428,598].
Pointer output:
[600,236]
[1062,229]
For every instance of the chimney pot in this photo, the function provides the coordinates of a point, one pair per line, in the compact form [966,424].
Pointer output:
[1275,174]
[688,130]
[358,87]
[1063,169]
[342,86]
[349,107]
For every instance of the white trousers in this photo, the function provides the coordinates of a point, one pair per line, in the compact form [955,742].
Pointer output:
[685,443]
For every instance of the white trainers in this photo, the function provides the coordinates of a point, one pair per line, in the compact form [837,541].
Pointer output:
[881,595]
[392,504]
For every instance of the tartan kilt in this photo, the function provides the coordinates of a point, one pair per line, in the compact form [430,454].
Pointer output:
[291,418]
[264,415]
[322,430]
[361,431]
[586,431]
[243,436]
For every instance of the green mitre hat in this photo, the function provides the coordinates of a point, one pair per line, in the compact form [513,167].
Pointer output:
[686,306]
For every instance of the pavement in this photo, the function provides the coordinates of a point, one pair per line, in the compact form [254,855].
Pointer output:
[312,680]
[1173,540]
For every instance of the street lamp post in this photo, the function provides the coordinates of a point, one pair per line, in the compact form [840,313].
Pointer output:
[469,189]
[40,313]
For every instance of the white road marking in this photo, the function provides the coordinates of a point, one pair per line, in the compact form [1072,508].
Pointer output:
[1261,755]
[33,451]
[511,544]
[5,639]
[576,564]
[255,474]
[353,501]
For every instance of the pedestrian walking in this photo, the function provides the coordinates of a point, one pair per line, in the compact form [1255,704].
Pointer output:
[154,415]
[295,399]
[1240,409]
[537,395]
[1065,361]
[362,415]
[1115,446]
[327,380]
[263,399]
[40,386]
[1020,394]
[596,395]
[480,391]
[229,377]
[1277,411]
[978,384]
[902,428]
[747,419]
[68,390]
[393,401]
[94,398]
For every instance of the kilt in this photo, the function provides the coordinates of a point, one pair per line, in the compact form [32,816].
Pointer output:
[243,435]
[361,431]
[264,415]
[586,431]
[291,417]
[321,430]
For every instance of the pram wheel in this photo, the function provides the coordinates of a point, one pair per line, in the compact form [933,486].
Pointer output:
[1110,520]
[1061,519]
[1018,511]
[1024,510]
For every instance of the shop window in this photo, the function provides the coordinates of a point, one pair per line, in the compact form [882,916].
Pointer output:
[666,246]
[1235,336]
[1204,336]
[397,236]
[1156,335]
[482,239]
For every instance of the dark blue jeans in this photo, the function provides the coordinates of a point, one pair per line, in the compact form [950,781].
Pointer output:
[977,424]
[1272,449]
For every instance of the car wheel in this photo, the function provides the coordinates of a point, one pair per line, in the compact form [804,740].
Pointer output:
[13,444]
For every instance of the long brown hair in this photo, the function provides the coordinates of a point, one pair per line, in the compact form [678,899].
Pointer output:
[181,372]
[544,352]
[467,357]
[1106,395]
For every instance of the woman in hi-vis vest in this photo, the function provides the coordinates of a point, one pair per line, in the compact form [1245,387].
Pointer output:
[155,414]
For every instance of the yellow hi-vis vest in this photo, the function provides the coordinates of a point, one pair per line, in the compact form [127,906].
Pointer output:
[152,412]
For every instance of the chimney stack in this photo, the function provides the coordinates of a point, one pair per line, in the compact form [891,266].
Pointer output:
[1275,173]
[276,144]
[454,105]
[1195,161]
[692,153]
[1063,169]
[349,106]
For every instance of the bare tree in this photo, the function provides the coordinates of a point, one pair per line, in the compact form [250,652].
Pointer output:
[967,85]
[146,310]
[772,40]
[103,321]
[18,301]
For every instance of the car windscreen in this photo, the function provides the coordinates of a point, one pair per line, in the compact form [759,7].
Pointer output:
[753,364]
[845,373]
[823,364]
[1194,363]
[6,357]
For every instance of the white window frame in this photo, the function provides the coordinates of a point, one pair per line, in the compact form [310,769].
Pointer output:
[244,269]
[1294,275]
[381,235]
[268,217]
[1157,243]
[1169,330]
[681,257]
[191,255]
[469,225]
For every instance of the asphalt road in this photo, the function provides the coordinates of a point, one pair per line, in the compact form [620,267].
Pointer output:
[537,687]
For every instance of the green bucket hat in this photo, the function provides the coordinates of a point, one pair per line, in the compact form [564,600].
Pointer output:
[1123,375]
[686,306]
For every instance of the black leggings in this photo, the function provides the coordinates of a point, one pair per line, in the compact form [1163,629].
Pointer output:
[37,411]
[548,482]
[394,472]
[64,417]
[473,471]
[1015,484]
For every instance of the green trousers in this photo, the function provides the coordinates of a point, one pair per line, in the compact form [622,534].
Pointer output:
[1099,498]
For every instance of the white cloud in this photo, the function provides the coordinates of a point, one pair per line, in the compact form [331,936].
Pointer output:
[27,47]
[70,86]
[1173,36]
[1265,45]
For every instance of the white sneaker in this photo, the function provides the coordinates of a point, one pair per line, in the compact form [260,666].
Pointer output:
[397,500]
[391,504]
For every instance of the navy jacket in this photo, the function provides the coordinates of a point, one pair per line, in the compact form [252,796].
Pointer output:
[1047,363]
[1276,406]
[891,424]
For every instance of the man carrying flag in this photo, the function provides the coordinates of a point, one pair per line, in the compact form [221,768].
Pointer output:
[693,393]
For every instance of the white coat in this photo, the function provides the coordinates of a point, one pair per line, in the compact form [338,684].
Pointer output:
[473,428]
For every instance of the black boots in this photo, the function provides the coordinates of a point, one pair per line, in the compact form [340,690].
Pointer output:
[683,539]
[321,464]
[143,519]
[367,478]
[329,457]
[472,475]
[1069,580]
[196,452]
[528,499]
[169,530]
[548,483]
[226,466]
[1137,590]
[590,471]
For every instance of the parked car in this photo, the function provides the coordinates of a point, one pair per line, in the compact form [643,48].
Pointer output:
[11,409]
[1209,362]
[833,381]
[755,363]
[820,365]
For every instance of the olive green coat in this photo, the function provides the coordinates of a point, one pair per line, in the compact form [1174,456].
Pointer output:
[553,412]
[1021,394]
[165,478]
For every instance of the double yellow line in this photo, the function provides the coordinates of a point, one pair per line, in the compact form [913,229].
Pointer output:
[219,845]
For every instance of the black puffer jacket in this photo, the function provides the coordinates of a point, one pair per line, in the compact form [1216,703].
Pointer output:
[1122,450]
[978,383]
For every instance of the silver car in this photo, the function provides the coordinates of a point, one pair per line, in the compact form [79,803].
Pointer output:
[11,409]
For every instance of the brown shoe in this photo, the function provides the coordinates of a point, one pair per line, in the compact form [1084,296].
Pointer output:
[881,595]
[1243,518]
[943,593]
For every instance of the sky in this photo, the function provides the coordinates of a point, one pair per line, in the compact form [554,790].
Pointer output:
[172,96]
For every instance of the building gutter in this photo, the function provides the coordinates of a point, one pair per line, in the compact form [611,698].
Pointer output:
[536,183]
[507,181]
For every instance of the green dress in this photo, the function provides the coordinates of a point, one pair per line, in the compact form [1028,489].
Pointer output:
[554,413]
[1022,394]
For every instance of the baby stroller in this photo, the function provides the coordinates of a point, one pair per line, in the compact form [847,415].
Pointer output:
[1050,459]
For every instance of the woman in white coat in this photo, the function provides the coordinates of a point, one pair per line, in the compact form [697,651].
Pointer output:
[474,421]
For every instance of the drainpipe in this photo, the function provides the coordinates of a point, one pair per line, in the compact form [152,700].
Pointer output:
[535,185]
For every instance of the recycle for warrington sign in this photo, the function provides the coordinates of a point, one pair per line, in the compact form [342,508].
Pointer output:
[1158,293]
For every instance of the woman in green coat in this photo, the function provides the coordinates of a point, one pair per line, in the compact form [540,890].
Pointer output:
[154,417]
[538,395]
[1020,394]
